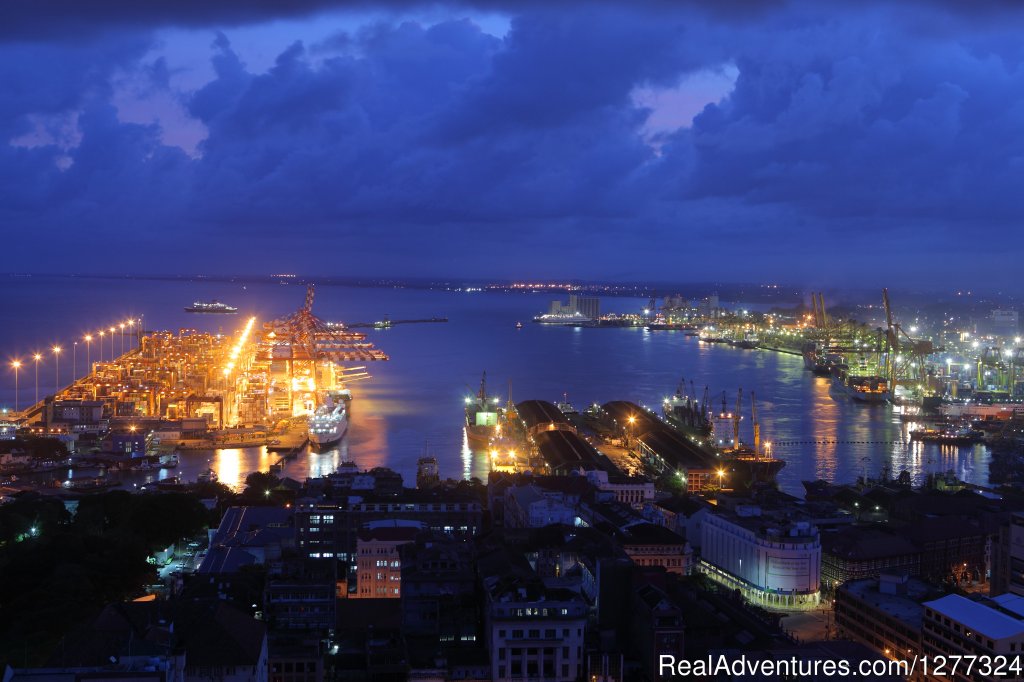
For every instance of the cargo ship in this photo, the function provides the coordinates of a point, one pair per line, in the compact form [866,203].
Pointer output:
[686,413]
[213,306]
[860,388]
[482,414]
[748,466]
[748,341]
[815,360]
[329,423]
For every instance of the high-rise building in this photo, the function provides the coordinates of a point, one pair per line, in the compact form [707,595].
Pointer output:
[1005,323]
[580,306]
[588,306]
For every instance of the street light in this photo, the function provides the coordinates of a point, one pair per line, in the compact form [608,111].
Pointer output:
[102,334]
[16,364]
[37,357]
[74,362]
[122,337]
[56,384]
[112,343]
[88,353]
[131,324]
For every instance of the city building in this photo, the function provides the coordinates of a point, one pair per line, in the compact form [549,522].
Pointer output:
[378,562]
[958,626]
[328,520]
[1008,557]
[438,589]
[531,631]
[650,545]
[582,306]
[859,552]
[885,614]
[658,628]
[1004,323]
[770,559]
[248,536]
[635,491]
[527,506]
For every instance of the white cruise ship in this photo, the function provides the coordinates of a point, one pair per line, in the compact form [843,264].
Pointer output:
[328,424]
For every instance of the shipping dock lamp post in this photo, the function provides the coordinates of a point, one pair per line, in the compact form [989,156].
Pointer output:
[56,381]
[16,365]
[37,357]
[88,353]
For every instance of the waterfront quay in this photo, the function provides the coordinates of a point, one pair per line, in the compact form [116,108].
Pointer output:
[189,389]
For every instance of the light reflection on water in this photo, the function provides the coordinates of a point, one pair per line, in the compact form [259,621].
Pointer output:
[413,405]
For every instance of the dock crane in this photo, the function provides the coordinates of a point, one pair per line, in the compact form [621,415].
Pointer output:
[820,316]
[905,355]
[736,419]
[757,426]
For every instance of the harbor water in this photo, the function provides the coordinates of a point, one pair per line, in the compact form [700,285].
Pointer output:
[413,405]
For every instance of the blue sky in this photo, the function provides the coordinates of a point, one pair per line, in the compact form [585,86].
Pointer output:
[811,143]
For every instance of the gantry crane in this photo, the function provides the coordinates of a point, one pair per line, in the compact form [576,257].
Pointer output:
[905,356]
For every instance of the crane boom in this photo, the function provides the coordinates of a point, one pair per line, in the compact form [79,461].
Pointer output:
[736,418]
[757,426]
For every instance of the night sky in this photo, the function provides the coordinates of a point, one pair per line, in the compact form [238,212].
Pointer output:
[859,143]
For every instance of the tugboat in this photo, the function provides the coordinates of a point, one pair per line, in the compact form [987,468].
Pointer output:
[427,473]
[482,412]
[964,436]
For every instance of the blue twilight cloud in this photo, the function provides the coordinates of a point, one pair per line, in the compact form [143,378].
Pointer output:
[855,134]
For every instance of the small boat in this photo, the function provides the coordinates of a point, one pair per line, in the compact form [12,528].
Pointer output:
[208,476]
[519,325]
[170,461]
[213,306]
[964,436]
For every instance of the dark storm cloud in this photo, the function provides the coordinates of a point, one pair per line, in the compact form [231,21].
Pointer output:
[843,130]
[71,19]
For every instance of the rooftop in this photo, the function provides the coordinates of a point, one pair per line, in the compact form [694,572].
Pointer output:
[978,616]
[904,606]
